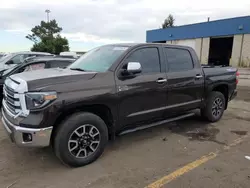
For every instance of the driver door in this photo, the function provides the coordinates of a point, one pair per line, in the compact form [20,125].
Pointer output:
[143,96]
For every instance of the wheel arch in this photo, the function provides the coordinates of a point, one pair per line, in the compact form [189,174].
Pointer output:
[103,111]
[222,88]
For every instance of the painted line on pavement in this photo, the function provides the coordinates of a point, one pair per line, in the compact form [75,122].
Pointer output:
[185,169]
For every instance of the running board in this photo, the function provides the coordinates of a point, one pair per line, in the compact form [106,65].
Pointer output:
[157,123]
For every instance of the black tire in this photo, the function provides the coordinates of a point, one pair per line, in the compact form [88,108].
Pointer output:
[209,111]
[68,128]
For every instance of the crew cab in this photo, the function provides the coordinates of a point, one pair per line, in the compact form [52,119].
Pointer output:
[109,91]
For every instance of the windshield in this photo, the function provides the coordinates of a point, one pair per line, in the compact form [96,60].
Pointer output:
[99,59]
[6,57]
[8,70]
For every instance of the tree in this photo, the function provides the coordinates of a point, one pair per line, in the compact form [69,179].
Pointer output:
[47,38]
[168,22]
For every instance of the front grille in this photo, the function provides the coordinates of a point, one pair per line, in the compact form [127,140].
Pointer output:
[11,100]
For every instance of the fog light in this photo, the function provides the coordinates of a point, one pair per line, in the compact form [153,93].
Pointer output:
[27,137]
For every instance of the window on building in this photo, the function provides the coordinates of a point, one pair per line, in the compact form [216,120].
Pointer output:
[178,59]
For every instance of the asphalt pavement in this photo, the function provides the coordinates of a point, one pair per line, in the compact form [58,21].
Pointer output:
[188,153]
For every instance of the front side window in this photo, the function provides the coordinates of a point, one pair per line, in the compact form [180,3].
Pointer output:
[148,58]
[99,59]
[178,59]
[32,67]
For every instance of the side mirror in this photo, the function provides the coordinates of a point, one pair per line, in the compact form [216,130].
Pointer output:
[9,62]
[134,68]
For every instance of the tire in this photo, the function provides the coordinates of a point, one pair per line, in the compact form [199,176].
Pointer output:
[69,136]
[215,106]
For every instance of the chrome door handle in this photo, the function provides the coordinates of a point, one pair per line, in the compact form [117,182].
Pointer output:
[198,76]
[161,80]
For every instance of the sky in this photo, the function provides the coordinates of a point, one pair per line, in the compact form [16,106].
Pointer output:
[90,23]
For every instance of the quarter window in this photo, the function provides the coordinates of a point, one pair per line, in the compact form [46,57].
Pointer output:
[60,64]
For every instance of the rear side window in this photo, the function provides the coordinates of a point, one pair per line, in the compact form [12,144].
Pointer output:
[56,64]
[149,59]
[178,59]
[31,67]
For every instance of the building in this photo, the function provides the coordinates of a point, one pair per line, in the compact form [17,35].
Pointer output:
[220,42]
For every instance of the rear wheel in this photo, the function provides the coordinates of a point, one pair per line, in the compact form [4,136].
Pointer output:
[215,106]
[80,139]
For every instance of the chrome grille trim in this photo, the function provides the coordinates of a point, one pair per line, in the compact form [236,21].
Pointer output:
[14,97]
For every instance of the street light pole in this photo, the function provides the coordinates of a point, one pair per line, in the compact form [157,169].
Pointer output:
[47,12]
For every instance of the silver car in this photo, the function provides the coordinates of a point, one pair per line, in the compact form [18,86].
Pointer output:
[15,58]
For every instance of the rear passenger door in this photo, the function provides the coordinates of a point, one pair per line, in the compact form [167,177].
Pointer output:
[185,81]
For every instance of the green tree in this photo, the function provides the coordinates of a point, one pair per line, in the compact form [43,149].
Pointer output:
[47,38]
[168,22]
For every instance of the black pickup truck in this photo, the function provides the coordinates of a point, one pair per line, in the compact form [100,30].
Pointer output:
[109,91]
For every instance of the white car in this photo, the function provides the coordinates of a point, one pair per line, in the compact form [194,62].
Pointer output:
[15,58]
[69,54]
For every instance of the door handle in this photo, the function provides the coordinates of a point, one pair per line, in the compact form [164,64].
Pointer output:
[198,76]
[161,80]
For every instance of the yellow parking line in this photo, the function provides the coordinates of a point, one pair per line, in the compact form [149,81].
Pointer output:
[181,171]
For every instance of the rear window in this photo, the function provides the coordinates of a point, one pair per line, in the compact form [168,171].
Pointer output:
[178,59]
[58,63]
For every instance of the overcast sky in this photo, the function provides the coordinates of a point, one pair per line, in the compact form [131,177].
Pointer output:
[90,23]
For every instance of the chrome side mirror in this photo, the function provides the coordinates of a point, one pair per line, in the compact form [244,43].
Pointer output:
[134,67]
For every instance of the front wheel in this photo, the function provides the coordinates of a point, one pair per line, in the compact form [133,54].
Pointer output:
[80,139]
[215,106]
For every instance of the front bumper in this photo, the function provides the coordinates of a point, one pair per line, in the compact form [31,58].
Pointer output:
[27,137]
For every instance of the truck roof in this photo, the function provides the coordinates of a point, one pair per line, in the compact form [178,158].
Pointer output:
[49,58]
[142,44]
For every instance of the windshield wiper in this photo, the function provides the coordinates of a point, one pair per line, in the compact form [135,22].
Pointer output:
[78,69]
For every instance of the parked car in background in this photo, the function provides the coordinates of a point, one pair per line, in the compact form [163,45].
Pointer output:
[112,90]
[69,54]
[12,59]
[2,55]
[35,63]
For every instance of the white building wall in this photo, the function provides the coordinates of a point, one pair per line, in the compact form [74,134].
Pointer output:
[194,43]
[187,42]
[246,50]
[236,51]
[205,50]
[198,43]
[240,52]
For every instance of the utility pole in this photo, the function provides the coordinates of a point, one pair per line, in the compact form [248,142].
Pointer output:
[47,12]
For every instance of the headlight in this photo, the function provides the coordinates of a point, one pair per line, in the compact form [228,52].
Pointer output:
[35,100]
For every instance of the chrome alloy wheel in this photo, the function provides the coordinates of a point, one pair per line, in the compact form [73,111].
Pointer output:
[84,141]
[217,107]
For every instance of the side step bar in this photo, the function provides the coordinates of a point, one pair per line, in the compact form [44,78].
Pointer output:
[156,123]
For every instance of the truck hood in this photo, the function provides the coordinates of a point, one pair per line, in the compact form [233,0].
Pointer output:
[43,78]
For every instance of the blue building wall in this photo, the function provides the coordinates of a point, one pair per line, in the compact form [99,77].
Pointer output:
[224,27]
